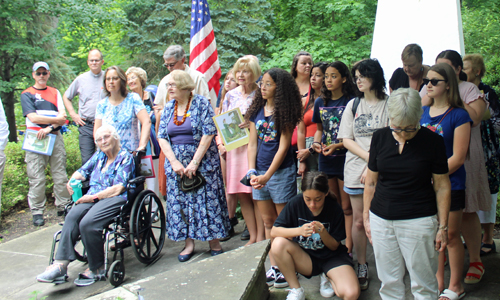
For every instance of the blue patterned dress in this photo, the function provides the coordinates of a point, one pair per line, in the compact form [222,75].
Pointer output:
[123,117]
[118,172]
[204,209]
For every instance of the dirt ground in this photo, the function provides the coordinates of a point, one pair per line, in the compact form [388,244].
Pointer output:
[18,221]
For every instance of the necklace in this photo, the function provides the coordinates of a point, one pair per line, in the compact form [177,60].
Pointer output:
[177,122]
[269,111]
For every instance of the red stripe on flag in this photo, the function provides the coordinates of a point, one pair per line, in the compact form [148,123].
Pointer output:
[208,63]
[201,46]
[214,82]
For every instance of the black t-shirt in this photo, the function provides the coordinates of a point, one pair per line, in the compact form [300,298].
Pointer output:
[399,79]
[404,188]
[296,213]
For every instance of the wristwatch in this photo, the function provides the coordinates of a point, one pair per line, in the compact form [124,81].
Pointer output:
[311,150]
[96,199]
[51,127]
[195,162]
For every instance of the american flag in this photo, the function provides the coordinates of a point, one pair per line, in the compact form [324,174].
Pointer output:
[203,49]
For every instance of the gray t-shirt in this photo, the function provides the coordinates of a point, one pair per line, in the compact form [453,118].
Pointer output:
[360,128]
[89,88]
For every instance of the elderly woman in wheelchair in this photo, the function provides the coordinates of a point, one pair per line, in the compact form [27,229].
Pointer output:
[109,171]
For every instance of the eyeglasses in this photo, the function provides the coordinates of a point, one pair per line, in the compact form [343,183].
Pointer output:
[112,78]
[41,73]
[399,130]
[360,78]
[171,85]
[132,78]
[267,85]
[94,61]
[170,65]
[103,138]
[434,82]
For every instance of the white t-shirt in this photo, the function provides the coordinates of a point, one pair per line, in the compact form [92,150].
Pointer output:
[360,128]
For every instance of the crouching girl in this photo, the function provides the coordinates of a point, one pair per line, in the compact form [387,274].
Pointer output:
[307,236]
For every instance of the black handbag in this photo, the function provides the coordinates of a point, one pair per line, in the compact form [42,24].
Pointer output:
[190,184]
[246,180]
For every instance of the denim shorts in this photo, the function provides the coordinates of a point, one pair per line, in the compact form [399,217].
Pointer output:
[280,188]
[354,191]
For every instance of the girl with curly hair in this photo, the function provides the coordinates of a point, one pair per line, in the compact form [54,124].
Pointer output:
[356,130]
[338,89]
[273,115]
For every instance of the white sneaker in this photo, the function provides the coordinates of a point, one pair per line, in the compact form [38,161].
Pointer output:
[325,287]
[296,294]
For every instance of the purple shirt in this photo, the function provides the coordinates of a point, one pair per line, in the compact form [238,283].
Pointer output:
[182,134]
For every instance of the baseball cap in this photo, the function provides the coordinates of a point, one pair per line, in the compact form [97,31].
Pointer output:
[40,64]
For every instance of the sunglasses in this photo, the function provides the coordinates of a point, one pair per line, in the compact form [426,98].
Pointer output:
[434,82]
[41,73]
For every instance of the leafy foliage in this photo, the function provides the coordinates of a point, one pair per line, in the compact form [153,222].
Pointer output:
[15,173]
[482,35]
[240,28]
[340,30]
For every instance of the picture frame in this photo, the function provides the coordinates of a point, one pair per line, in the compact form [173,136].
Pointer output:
[147,167]
[231,134]
[32,144]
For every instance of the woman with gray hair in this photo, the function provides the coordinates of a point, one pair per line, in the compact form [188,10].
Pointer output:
[108,171]
[136,81]
[407,190]
[186,136]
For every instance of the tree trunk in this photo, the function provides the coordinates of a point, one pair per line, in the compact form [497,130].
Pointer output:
[8,104]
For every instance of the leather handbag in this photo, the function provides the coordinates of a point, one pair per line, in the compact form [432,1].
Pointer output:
[191,184]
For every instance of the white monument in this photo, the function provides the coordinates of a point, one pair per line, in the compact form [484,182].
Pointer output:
[435,25]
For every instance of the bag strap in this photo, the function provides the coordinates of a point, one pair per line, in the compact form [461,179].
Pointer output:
[355,106]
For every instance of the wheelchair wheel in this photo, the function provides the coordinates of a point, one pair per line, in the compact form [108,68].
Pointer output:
[116,273]
[147,226]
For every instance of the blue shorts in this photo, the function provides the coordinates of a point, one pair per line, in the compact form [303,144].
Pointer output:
[280,188]
[354,191]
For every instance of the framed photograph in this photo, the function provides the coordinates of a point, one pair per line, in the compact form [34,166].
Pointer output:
[33,144]
[147,169]
[231,134]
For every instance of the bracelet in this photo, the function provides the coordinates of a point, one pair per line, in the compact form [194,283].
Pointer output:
[316,143]
[251,172]
[442,227]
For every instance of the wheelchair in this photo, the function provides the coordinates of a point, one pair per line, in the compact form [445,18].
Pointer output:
[141,221]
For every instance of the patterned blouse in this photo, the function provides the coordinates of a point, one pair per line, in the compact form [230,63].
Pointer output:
[123,117]
[234,99]
[201,113]
[117,173]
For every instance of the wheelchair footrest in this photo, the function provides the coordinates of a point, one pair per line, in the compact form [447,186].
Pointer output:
[60,280]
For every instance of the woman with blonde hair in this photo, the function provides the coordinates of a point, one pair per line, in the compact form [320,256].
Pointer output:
[247,71]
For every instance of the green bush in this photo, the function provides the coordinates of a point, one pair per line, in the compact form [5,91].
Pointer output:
[15,183]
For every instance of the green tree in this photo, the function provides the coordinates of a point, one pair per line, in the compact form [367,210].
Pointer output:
[240,28]
[482,35]
[27,35]
[329,30]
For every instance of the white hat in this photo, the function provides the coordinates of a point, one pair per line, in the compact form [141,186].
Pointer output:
[40,64]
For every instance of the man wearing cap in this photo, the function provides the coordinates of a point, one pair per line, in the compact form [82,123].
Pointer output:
[44,111]
[89,88]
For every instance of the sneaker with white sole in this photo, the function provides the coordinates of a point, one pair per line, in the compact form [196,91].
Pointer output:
[363,276]
[54,273]
[325,287]
[280,281]
[296,294]
[271,275]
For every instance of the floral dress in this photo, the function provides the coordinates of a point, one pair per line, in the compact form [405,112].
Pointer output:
[201,214]
[123,117]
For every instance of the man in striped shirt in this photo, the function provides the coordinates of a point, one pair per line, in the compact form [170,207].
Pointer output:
[44,111]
